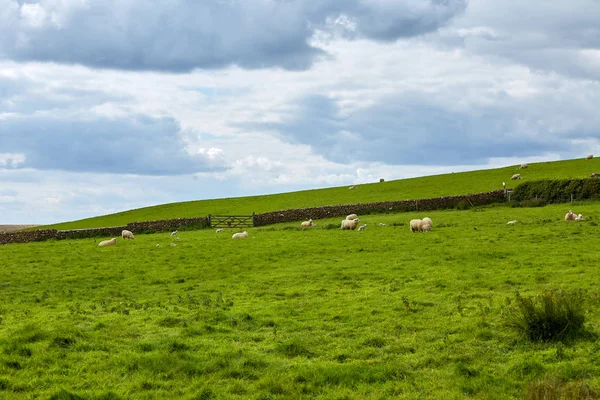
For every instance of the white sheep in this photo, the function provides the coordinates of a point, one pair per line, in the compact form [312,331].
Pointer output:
[425,227]
[590,156]
[516,177]
[351,187]
[173,233]
[240,235]
[306,224]
[219,230]
[523,166]
[415,225]
[427,220]
[110,242]
[579,218]
[351,217]
[158,245]
[173,245]
[349,224]
[127,234]
[569,216]
[513,222]
[382,224]
[362,227]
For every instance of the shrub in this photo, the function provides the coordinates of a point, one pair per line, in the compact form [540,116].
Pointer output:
[463,205]
[552,316]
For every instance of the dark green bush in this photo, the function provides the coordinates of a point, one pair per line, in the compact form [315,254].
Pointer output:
[556,191]
[552,316]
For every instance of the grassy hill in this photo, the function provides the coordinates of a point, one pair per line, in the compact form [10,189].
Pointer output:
[414,188]
[305,314]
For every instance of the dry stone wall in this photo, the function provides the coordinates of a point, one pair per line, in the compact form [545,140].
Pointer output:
[342,210]
[113,231]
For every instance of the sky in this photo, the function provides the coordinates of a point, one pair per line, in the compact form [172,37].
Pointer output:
[111,105]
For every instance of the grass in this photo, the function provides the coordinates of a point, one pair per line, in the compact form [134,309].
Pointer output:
[293,314]
[415,188]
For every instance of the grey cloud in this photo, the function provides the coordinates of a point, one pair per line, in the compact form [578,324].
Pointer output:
[180,35]
[137,145]
[410,130]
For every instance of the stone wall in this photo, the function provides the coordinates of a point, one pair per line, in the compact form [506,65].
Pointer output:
[438,203]
[110,232]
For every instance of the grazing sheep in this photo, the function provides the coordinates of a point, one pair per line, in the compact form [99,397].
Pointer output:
[127,234]
[351,217]
[306,224]
[240,235]
[579,218]
[110,242]
[513,222]
[590,156]
[415,225]
[173,233]
[349,224]
[523,166]
[362,227]
[425,227]
[515,177]
[569,216]
[427,220]
[351,187]
[219,230]
[381,180]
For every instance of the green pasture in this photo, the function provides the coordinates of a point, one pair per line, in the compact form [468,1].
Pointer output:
[295,314]
[415,188]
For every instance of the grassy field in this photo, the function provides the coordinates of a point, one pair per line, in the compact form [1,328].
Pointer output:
[294,314]
[415,188]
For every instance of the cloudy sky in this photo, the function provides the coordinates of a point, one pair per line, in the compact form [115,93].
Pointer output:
[109,105]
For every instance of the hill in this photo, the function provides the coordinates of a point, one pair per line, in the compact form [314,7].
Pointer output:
[413,188]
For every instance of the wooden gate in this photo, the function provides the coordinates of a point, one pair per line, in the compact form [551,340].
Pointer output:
[231,221]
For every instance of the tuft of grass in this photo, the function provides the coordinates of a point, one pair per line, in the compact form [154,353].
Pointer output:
[554,315]
[551,388]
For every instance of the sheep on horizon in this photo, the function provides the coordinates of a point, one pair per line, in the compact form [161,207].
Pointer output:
[523,166]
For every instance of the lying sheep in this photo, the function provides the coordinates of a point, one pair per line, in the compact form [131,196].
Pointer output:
[127,234]
[351,217]
[523,166]
[569,216]
[516,177]
[306,224]
[579,218]
[349,224]
[362,227]
[110,242]
[240,235]
[219,230]
[513,222]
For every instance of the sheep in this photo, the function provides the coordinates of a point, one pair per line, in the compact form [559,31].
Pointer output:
[219,230]
[513,222]
[173,233]
[415,225]
[362,227]
[579,218]
[158,245]
[107,242]
[351,187]
[381,180]
[127,234]
[523,166]
[425,227]
[569,216]
[240,235]
[351,217]
[516,176]
[427,220]
[173,245]
[589,157]
[382,224]
[349,224]
[306,224]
